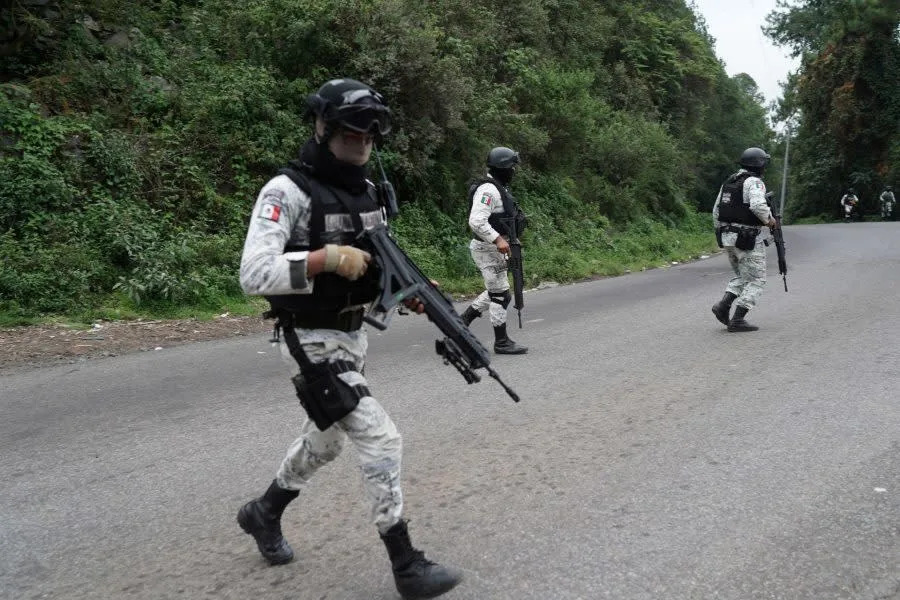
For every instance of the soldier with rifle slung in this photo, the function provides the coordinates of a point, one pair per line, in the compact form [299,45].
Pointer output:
[497,222]
[739,213]
[302,253]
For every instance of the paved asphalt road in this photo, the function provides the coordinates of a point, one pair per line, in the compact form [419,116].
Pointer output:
[653,455]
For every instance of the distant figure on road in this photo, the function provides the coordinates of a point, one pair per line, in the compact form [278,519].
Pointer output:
[299,254]
[888,202]
[492,206]
[739,213]
[850,205]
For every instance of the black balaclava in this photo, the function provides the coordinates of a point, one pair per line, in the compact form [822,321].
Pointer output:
[504,176]
[329,169]
[758,171]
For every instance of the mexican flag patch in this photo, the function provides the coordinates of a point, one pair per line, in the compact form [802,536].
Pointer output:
[270,212]
[486,199]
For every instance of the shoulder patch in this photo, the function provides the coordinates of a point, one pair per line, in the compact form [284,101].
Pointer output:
[271,212]
[486,199]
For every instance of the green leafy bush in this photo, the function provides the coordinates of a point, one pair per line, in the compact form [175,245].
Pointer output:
[130,157]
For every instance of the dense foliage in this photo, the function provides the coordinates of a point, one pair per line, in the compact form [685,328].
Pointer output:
[845,99]
[135,135]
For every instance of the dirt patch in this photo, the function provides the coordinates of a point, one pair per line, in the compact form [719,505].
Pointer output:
[42,345]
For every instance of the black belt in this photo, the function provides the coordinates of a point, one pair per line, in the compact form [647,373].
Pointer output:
[350,320]
[731,228]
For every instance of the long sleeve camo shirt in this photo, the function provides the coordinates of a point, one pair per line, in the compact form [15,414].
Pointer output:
[487,200]
[280,218]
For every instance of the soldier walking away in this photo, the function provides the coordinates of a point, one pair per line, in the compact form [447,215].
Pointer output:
[299,254]
[888,202]
[739,213]
[493,207]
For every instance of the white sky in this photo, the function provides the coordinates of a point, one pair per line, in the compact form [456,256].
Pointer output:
[741,44]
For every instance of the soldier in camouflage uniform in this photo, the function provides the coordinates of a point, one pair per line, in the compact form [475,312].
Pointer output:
[492,206]
[299,255]
[887,202]
[739,213]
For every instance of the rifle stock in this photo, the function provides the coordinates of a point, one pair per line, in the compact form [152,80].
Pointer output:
[401,279]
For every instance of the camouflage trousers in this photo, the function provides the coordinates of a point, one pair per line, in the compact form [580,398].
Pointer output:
[749,268]
[373,434]
[492,264]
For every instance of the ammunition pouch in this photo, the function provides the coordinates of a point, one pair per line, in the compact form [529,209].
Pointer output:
[326,397]
[746,236]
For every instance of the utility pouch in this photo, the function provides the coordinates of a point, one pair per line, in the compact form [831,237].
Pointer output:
[324,396]
[746,239]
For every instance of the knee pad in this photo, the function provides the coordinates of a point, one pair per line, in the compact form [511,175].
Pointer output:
[330,452]
[501,298]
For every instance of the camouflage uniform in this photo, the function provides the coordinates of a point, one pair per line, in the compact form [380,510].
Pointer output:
[490,261]
[887,204]
[317,207]
[848,203]
[749,266]
[281,218]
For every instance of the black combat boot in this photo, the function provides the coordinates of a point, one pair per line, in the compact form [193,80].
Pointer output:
[504,345]
[261,518]
[470,315]
[737,322]
[414,575]
[723,307]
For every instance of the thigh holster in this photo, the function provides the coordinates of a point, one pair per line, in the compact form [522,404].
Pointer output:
[501,298]
[324,396]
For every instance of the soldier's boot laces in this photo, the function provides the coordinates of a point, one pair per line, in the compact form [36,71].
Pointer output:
[504,345]
[723,307]
[415,576]
[261,518]
[469,315]
[738,323]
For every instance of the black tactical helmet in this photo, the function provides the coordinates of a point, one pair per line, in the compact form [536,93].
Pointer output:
[502,157]
[851,191]
[754,158]
[351,104]
[888,188]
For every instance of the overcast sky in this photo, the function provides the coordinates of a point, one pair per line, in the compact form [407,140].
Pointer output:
[741,44]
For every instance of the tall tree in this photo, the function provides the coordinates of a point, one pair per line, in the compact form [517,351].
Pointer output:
[846,97]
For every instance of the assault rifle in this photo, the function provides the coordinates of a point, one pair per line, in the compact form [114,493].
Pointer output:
[778,237]
[401,279]
[514,264]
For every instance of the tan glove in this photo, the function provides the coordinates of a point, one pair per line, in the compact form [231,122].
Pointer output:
[347,261]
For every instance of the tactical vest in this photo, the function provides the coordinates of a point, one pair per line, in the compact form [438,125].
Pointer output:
[733,207]
[336,217]
[511,211]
